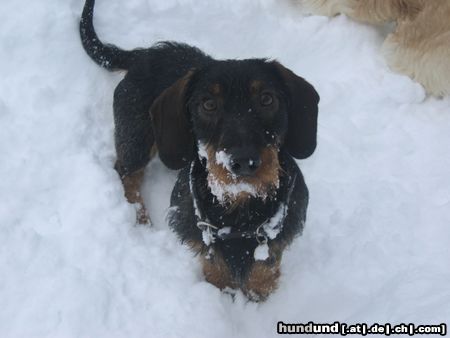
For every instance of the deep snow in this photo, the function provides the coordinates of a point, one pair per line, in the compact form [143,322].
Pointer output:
[72,264]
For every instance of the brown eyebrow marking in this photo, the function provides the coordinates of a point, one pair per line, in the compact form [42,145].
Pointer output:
[255,86]
[215,88]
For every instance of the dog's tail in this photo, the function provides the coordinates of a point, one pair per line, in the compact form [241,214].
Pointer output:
[106,55]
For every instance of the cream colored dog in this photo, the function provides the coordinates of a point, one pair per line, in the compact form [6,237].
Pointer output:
[419,46]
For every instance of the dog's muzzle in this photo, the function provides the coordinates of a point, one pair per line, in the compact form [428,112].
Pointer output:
[244,161]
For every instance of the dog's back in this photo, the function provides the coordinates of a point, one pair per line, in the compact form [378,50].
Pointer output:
[162,63]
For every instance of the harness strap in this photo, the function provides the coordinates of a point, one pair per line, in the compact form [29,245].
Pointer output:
[212,232]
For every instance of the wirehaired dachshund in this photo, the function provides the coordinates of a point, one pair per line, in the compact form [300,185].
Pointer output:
[233,128]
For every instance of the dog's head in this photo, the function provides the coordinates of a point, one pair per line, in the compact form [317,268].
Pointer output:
[236,115]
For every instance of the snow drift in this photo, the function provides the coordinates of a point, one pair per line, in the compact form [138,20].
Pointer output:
[72,264]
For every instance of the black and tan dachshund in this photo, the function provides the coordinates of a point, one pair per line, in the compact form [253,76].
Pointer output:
[233,128]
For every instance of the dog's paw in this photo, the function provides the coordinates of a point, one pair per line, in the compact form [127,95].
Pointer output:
[261,281]
[230,292]
[142,217]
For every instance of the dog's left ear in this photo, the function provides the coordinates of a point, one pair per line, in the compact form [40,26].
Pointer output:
[170,121]
[301,138]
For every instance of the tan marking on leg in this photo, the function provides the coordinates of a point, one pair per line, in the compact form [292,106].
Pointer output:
[217,272]
[132,185]
[263,277]
[262,280]
[196,246]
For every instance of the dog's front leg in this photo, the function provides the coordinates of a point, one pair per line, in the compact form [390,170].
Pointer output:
[132,185]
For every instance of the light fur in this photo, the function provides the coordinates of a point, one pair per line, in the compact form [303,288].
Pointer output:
[263,183]
[420,45]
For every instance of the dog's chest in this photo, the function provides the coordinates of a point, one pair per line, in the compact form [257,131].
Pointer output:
[212,229]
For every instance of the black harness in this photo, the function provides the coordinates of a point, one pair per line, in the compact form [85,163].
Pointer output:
[266,231]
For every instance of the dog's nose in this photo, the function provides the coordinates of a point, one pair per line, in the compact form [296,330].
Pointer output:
[244,162]
[245,166]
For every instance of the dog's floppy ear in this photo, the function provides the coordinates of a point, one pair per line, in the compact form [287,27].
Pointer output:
[171,126]
[303,107]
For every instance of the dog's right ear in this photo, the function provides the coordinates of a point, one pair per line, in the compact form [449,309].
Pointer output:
[173,133]
[303,108]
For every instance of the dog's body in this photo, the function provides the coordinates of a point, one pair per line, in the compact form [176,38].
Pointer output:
[232,126]
[228,257]
[420,45]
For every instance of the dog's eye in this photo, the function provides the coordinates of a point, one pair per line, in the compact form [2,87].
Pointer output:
[266,99]
[209,105]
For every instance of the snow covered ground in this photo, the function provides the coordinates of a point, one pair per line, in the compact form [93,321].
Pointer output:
[72,263]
